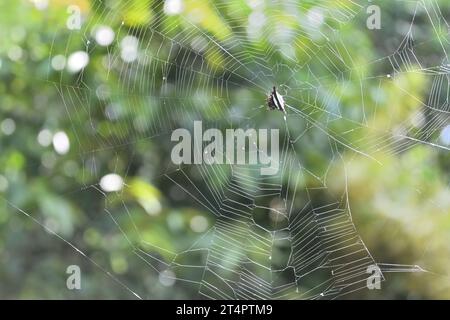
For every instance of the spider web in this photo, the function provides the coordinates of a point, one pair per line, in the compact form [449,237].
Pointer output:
[186,70]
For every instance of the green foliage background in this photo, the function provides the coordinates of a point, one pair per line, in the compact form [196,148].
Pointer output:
[401,209]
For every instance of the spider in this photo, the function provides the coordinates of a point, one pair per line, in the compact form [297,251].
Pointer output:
[275,101]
